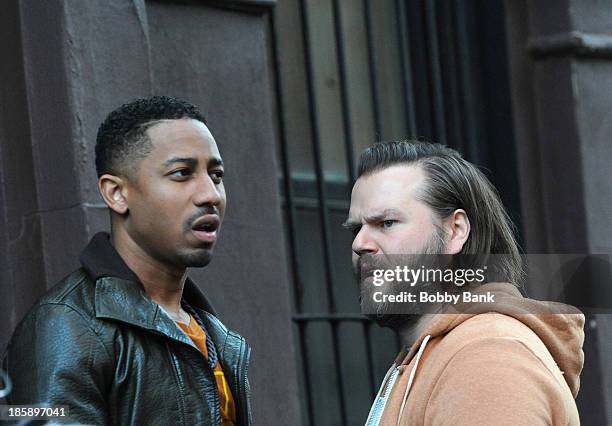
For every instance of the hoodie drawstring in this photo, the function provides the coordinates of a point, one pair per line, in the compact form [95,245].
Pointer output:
[412,374]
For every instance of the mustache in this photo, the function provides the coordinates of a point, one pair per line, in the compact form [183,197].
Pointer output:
[206,210]
[367,263]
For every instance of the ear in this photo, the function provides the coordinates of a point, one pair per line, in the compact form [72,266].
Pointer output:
[114,191]
[458,227]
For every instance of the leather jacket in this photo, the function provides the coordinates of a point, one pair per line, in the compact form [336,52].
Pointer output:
[99,346]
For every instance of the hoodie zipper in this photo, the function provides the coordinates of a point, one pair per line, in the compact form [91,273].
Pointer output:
[382,397]
[378,407]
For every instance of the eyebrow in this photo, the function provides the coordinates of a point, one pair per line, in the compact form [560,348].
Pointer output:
[215,161]
[350,224]
[376,217]
[192,162]
[187,160]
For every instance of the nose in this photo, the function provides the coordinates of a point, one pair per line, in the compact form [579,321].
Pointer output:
[207,192]
[364,243]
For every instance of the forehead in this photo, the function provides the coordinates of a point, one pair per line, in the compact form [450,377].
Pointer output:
[395,187]
[184,138]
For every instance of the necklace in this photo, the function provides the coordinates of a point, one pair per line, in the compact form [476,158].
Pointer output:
[210,346]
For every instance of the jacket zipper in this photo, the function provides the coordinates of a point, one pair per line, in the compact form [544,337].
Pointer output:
[241,382]
[217,402]
[180,381]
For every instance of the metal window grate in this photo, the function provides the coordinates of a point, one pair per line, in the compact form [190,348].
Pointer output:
[427,75]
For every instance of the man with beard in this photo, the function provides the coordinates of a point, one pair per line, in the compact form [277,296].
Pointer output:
[128,338]
[516,361]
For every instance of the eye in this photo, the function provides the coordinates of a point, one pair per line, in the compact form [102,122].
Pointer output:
[217,176]
[181,174]
[386,224]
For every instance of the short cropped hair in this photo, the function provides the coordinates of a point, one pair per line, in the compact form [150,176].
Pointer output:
[452,183]
[122,140]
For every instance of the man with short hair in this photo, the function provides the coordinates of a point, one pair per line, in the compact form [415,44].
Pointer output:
[128,338]
[515,361]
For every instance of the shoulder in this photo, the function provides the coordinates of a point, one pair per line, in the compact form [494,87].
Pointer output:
[498,339]
[55,350]
[493,363]
[65,313]
[488,328]
[76,291]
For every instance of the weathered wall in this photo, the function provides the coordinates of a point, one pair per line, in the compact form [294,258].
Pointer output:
[66,64]
[561,67]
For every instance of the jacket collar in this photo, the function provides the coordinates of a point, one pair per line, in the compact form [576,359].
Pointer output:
[120,296]
[100,259]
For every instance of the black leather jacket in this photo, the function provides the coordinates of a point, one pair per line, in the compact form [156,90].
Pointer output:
[101,347]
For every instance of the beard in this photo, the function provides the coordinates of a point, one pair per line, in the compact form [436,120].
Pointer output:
[381,312]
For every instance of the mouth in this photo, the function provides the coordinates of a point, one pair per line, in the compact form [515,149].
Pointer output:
[205,228]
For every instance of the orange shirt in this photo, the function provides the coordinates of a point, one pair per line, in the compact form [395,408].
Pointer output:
[198,337]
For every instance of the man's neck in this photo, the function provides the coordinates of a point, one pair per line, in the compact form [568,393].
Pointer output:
[162,283]
[410,333]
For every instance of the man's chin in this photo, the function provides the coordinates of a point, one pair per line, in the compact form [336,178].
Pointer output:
[198,259]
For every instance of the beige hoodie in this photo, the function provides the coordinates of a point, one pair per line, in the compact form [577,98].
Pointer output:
[514,362]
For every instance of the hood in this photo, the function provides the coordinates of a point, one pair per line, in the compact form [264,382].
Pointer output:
[560,327]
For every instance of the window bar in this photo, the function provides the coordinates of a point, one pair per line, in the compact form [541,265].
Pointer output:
[350,157]
[323,214]
[450,77]
[367,4]
[434,64]
[305,372]
[471,130]
[406,67]
[296,289]
[367,331]
[415,26]
[346,118]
